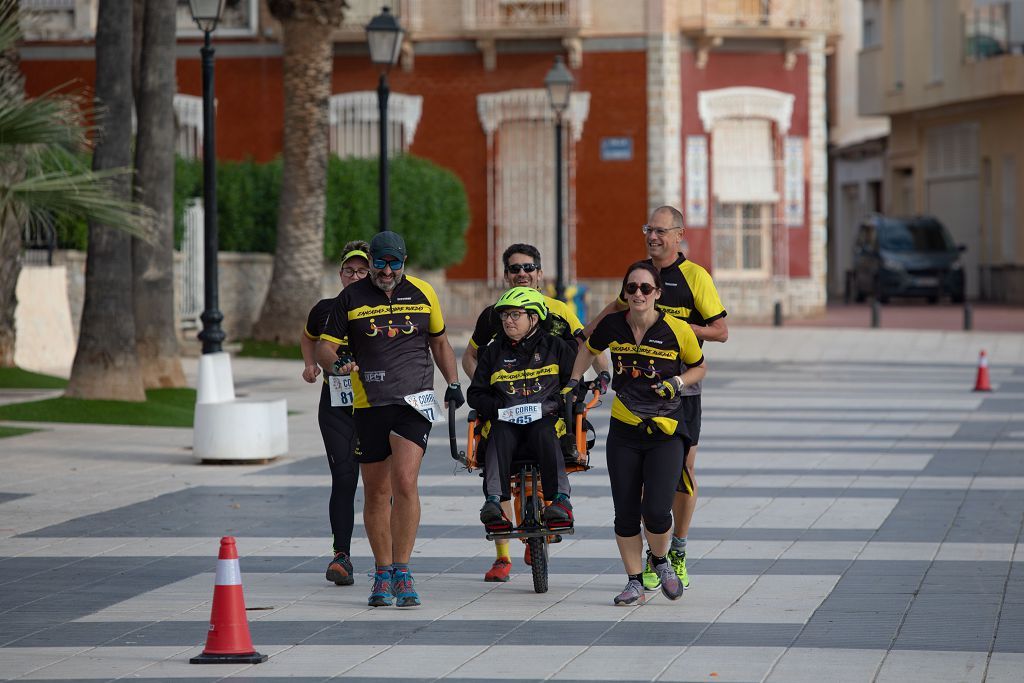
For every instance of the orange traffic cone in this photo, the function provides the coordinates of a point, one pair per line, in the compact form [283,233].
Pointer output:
[982,382]
[228,641]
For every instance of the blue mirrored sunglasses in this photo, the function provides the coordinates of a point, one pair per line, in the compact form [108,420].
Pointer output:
[381,264]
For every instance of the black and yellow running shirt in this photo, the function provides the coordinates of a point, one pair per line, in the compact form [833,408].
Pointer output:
[564,323]
[388,338]
[532,370]
[667,349]
[316,321]
[687,293]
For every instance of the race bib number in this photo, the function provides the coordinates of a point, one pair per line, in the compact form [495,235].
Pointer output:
[521,415]
[341,391]
[426,404]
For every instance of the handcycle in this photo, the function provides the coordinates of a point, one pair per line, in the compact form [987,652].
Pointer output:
[527,493]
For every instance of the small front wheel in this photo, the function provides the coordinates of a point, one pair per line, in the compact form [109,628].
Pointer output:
[539,563]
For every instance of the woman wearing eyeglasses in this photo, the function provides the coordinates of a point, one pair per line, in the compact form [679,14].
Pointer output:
[337,426]
[516,387]
[653,357]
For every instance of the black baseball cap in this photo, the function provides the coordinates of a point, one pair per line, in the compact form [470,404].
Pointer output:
[387,243]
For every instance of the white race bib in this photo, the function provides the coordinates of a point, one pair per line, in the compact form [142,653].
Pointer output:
[341,390]
[426,403]
[521,415]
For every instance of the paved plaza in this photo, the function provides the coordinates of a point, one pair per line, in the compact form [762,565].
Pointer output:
[860,520]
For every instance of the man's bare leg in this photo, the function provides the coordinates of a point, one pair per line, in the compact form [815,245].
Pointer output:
[406,458]
[377,509]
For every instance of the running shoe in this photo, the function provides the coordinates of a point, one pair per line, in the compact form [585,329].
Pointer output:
[381,594]
[340,570]
[494,518]
[558,515]
[405,589]
[499,571]
[650,578]
[671,586]
[678,561]
[632,594]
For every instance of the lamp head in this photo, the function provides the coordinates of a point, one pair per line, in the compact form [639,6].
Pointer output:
[558,83]
[384,37]
[206,13]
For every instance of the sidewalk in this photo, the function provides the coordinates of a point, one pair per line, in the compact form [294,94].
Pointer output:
[860,520]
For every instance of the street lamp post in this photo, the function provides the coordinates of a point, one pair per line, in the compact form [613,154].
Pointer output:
[206,14]
[558,83]
[384,37]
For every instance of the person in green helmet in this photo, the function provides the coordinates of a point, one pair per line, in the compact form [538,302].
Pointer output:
[516,387]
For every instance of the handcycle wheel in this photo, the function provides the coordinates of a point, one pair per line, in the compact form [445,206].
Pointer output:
[539,563]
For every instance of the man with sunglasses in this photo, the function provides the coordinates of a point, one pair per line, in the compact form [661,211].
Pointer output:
[523,269]
[394,326]
[689,294]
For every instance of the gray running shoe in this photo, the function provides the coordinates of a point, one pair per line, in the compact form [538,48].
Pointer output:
[671,586]
[632,594]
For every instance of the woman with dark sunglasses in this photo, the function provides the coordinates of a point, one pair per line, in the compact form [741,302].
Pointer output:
[653,357]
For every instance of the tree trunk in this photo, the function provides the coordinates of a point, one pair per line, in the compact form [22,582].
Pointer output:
[10,225]
[106,365]
[298,260]
[156,333]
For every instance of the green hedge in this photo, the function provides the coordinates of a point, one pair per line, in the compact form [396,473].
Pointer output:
[428,206]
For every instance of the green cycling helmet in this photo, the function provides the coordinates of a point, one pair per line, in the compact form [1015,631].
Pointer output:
[526,298]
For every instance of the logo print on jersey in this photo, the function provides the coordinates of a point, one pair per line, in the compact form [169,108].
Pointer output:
[635,370]
[392,329]
[524,390]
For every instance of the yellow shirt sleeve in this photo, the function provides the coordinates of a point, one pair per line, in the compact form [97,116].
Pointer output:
[436,325]
[705,296]
[689,348]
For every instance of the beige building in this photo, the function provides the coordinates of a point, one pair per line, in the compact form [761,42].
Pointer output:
[950,75]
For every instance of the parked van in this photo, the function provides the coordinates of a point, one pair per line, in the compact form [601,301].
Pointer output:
[911,257]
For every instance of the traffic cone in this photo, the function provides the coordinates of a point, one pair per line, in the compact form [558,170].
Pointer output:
[228,641]
[982,382]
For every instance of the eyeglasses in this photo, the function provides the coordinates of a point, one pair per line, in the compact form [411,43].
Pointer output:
[645,288]
[355,272]
[517,268]
[660,232]
[381,264]
[511,315]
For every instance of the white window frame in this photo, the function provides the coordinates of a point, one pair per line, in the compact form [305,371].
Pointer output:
[871,25]
[354,117]
[729,220]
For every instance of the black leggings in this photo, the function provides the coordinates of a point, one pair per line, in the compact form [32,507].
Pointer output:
[505,442]
[339,432]
[643,473]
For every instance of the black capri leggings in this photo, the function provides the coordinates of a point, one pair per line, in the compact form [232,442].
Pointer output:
[643,473]
[338,429]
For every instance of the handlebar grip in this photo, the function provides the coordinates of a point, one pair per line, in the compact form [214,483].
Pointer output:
[457,455]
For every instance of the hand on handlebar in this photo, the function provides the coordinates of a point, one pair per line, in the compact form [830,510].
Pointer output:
[569,392]
[602,382]
[454,394]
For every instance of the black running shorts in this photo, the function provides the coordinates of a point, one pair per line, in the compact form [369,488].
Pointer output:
[375,424]
[691,416]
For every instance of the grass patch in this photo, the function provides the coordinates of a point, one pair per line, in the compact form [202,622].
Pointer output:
[260,349]
[162,408]
[16,378]
[14,431]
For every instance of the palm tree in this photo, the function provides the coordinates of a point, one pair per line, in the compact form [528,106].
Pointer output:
[298,259]
[156,334]
[41,175]
[106,363]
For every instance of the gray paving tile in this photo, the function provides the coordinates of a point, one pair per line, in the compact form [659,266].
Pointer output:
[6,497]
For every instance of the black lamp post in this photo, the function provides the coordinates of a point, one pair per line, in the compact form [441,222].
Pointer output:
[558,83]
[384,37]
[206,14]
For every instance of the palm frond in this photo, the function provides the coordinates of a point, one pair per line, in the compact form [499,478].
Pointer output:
[85,194]
[10,31]
[46,120]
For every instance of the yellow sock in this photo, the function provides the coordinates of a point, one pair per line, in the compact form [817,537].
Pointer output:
[501,550]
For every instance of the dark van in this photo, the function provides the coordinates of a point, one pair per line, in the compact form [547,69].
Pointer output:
[906,257]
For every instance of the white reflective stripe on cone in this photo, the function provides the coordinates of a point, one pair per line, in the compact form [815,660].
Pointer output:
[228,573]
